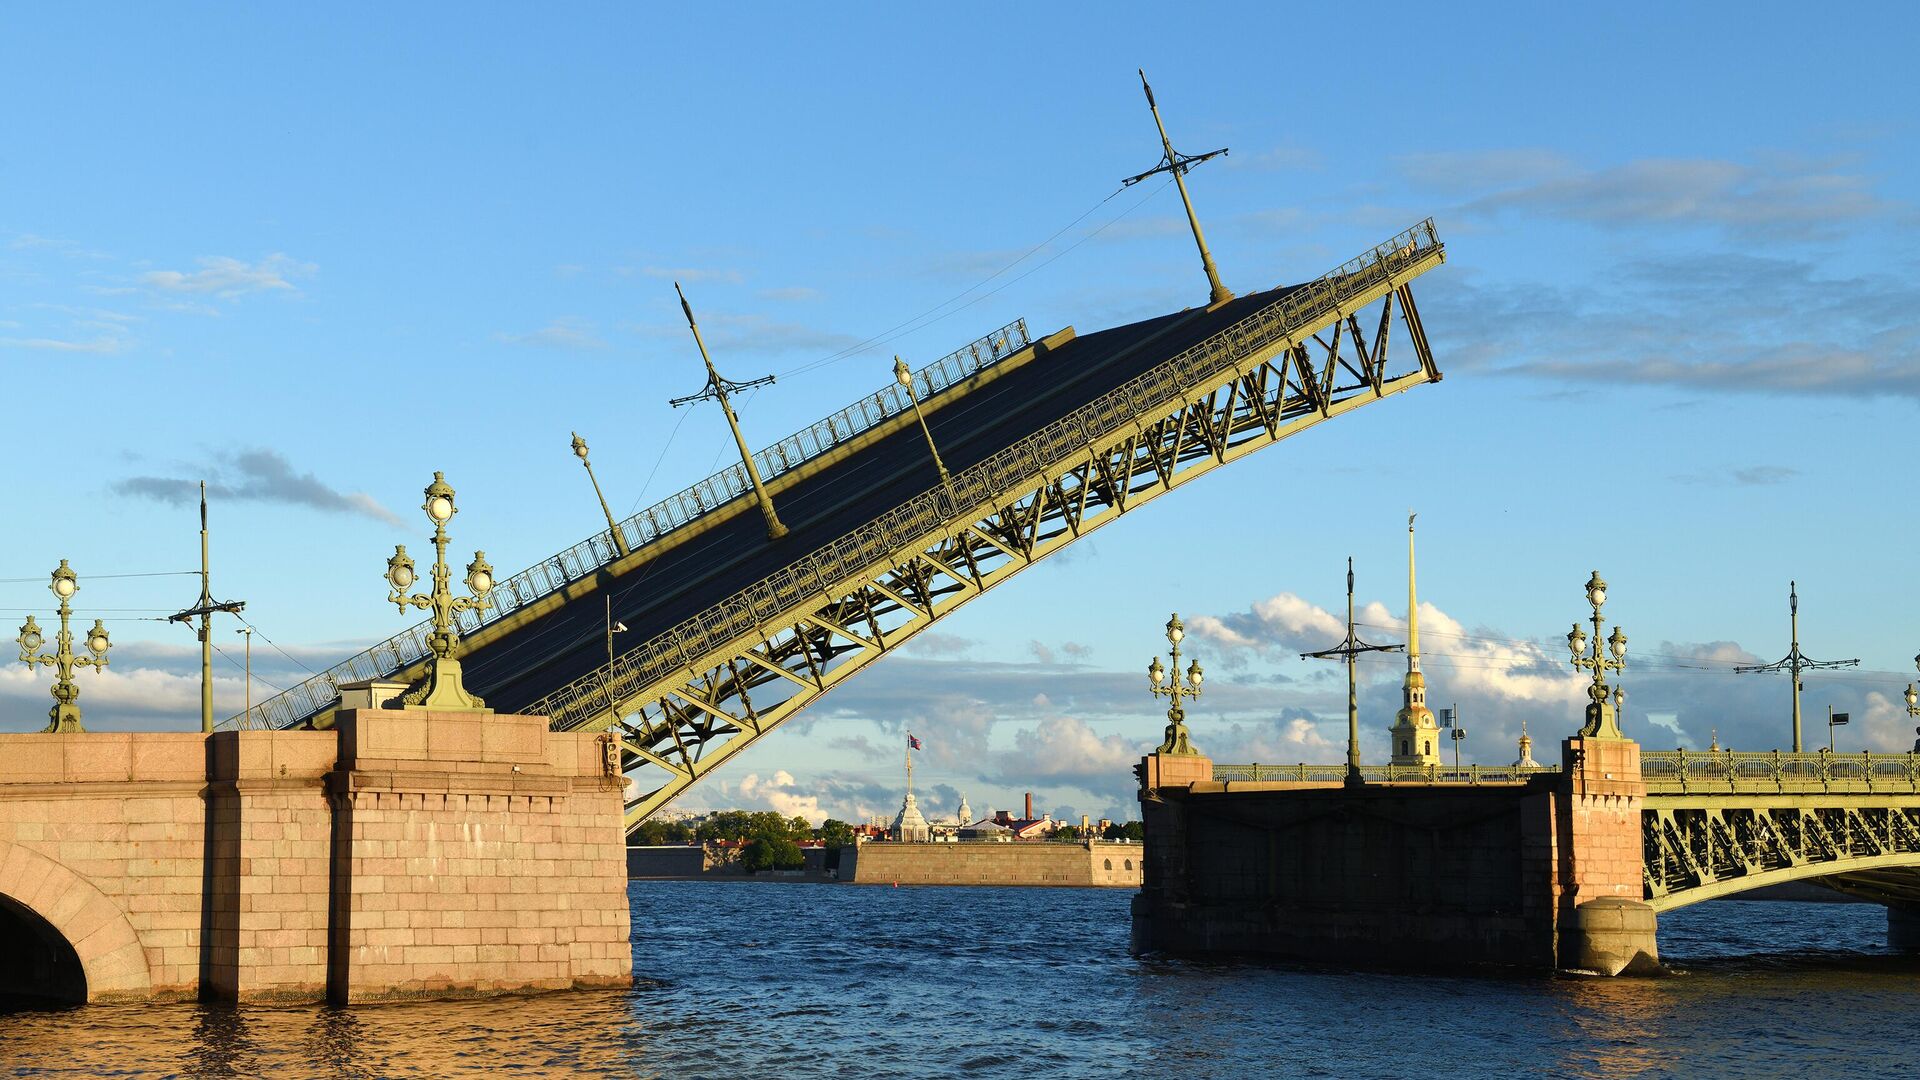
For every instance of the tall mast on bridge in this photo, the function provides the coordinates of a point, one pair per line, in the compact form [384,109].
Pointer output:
[1349,649]
[1178,164]
[719,388]
[205,609]
[1794,663]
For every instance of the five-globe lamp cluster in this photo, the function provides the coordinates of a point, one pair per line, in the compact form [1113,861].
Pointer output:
[65,714]
[1176,741]
[443,687]
[1600,716]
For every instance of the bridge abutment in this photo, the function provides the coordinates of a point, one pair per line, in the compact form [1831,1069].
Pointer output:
[408,853]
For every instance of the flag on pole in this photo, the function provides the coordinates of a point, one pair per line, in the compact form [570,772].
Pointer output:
[913,743]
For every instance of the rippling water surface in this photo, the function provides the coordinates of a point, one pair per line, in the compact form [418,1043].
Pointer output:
[790,980]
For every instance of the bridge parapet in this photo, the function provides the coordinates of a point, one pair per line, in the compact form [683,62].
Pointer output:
[1470,775]
[1714,772]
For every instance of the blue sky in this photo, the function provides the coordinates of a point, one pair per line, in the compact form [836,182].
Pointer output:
[314,255]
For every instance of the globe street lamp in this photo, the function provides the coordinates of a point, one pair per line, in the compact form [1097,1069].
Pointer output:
[905,376]
[1176,740]
[1600,718]
[65,715]
[443,689]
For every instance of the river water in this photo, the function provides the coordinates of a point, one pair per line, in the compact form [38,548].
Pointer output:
[749,979]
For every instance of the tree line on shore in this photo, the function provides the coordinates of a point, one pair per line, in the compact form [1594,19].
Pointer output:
[769,841]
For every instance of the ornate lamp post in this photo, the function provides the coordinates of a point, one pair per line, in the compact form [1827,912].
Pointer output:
[443,689]
[1176,740]
[1600,719]
[905,375]
[65,715]
[580,451]
[1913,704]
[1456,733]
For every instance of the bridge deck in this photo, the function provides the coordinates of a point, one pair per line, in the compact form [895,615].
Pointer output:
[968,423]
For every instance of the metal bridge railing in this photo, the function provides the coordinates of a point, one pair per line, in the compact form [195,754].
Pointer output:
[550,575]
[956,503]
[1703,772]
[1408,774]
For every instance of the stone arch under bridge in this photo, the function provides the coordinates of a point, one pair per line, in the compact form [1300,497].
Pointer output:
[75,942]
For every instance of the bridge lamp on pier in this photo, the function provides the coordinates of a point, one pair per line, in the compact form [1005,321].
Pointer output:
[1601,722]
[1913,705]
[905,376]
[443,689]
[1176,739]
[613,529]
[65,715]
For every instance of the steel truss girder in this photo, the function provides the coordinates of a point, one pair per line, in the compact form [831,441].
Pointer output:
[800,634]
[1696,850]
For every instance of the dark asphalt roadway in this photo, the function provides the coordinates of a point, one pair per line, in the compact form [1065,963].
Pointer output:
[562,646]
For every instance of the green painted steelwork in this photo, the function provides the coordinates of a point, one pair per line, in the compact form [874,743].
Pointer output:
[1718,772]
[1471,775]
[690,698]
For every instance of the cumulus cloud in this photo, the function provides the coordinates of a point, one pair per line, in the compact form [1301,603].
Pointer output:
[781,794]
[227,278]
[1278,626]
[258,475]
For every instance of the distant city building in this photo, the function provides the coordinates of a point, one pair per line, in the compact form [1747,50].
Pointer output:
[910,826]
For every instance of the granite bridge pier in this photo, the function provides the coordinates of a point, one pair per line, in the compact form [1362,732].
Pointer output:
[1548,868]
[405,853]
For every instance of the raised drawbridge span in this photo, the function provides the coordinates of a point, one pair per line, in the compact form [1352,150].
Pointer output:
[731,633]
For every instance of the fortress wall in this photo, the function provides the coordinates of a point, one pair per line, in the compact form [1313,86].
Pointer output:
[1036,862]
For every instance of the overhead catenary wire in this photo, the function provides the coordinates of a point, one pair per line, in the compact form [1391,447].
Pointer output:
[922,320]
[881,337]
[256,676]
[42,579]
[275,645]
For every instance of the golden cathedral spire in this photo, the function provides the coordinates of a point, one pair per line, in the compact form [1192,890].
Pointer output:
[1416,734]
[1413,605]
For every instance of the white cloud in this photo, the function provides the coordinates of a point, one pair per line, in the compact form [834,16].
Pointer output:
[227,278]
[781,793]
[102,345]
